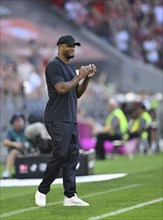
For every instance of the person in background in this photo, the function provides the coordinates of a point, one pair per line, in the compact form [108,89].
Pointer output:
[140,128]
[115,128]
[16,142]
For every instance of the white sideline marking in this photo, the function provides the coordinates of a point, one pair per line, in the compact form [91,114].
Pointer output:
[117,212]
[20,211]
[79,179]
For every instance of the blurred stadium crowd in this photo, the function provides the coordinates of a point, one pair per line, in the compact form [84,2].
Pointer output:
[133,26]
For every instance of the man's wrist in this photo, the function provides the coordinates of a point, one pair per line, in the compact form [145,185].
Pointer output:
[14,144]
[79,77]
[87,78]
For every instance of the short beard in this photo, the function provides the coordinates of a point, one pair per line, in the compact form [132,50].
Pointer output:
[67,55]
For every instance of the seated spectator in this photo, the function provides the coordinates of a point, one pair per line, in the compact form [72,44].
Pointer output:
[140,127]
[16,142]
[121,40]
[76,11]
[151,50]
[115,128]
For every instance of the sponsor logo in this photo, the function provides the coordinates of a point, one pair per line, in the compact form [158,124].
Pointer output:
[33,168]
[42,167]
[23,168]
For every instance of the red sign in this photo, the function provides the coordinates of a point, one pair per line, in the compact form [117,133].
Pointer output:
[23,168]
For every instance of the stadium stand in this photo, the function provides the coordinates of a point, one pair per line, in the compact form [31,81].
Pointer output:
[133,27]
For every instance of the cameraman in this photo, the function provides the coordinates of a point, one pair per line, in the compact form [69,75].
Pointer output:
[16,142]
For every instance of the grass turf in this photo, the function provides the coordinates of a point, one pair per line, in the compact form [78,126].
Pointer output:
[144,174]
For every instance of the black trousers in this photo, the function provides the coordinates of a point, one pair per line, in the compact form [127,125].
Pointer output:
[65,155]
[100,153]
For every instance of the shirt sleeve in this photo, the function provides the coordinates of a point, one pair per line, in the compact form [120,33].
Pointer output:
[9,136]
[54,73]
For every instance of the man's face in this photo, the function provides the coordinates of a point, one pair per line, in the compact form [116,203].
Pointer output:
[18,124]
[68,51]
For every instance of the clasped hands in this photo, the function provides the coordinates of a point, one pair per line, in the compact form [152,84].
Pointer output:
[87,71]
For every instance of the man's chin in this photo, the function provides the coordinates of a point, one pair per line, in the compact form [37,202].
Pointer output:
[71,56]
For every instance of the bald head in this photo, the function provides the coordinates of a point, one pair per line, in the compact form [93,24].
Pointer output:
[112,104]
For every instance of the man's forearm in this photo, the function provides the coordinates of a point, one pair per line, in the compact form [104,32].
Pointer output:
[8,143]
[63,87]
[81,89]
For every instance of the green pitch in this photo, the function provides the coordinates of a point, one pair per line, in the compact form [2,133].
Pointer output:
[138,196]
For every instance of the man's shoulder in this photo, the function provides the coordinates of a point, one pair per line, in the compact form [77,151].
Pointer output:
[53,61]
[10,134]
[53,65]
[10,131]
